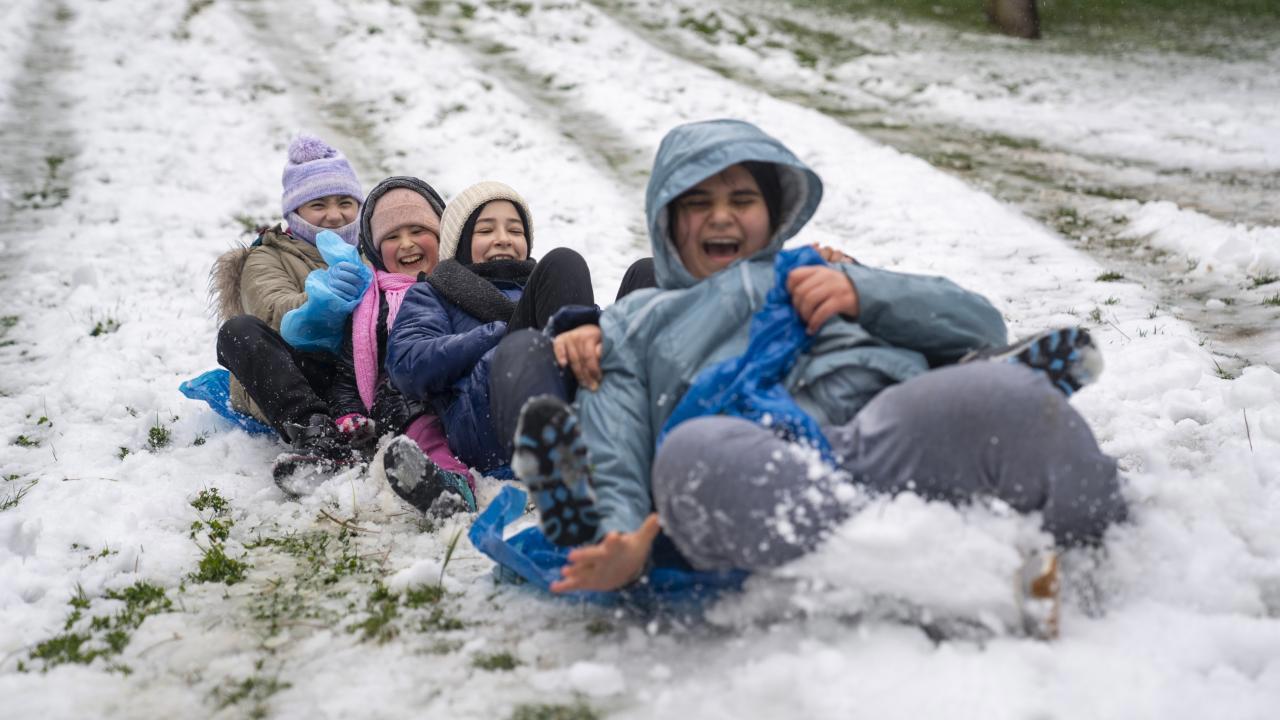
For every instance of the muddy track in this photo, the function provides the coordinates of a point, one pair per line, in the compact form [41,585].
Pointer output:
[321,108]
[39,151]
[1071,193]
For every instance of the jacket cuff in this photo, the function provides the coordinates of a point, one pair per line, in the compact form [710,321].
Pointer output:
[572,316]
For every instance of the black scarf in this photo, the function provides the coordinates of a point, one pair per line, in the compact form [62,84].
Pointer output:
[471,287]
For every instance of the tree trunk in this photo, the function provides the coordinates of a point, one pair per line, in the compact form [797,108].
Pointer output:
[1014,17]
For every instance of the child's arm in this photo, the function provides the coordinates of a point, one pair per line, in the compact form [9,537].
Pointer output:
[344,394]
[424,354]
[268,290]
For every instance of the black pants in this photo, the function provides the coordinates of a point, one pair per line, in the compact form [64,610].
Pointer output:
[288,385]
[524,364]
[560,278]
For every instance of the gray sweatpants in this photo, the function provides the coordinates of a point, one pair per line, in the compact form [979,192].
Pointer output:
[731,494]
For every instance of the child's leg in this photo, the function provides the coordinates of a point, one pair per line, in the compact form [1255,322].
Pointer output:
[524,367]
[560,278]
[427,432]
[994,429]
[281,380]
[731,494]
[639,276]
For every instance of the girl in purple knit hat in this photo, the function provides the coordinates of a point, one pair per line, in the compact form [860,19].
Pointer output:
[257,286]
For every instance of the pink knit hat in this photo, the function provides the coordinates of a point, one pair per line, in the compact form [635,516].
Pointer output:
[399,208]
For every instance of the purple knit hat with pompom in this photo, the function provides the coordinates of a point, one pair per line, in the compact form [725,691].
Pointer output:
[316,170]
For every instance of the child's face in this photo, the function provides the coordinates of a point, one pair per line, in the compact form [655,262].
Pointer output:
[410,250]
[330,211]
[499,234]
[721,219]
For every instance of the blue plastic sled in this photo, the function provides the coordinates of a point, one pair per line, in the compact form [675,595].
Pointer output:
[530,557]
[214,388]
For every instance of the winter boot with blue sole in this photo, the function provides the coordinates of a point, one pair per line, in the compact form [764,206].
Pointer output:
[551,460]
[1066,356]
[423,484]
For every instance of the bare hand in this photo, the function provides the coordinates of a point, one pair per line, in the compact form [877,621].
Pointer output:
[818,293]
[610,564]
[579,349]
[832,255]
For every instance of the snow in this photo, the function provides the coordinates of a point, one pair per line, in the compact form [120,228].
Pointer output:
[179,124]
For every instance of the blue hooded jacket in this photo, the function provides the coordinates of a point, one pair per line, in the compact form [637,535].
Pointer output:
[657,341]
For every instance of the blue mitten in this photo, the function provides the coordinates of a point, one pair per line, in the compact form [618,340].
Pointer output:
[332,294]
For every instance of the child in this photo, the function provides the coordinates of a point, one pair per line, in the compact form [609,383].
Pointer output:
[732,493]
[400,237]
[442,342]
[258,286]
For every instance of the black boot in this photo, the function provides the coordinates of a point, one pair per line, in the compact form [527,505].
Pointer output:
[551,460]
[422,483]
[318,449]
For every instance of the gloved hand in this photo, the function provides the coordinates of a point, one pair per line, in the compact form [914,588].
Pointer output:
[347,281]
[361,432]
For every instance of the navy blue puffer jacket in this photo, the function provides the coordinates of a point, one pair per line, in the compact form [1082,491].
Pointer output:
[437,351]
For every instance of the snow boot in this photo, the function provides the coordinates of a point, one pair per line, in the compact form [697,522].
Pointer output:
[318,451]
[551,460]
[1039,596]
[422,483]
[1066,356]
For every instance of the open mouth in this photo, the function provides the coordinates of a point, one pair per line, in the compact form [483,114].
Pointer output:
[410,259]
[721,248]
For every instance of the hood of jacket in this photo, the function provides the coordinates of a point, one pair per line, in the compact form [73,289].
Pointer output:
[694,152]
[367,244]
[227,274]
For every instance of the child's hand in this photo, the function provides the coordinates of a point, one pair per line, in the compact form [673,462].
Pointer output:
[346,280]
[579,349]
[831,255]
[818,293]
[614,562]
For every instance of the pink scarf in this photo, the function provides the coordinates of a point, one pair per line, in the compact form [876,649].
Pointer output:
[364,329]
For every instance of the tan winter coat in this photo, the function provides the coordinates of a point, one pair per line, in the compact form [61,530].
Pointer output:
[265,280]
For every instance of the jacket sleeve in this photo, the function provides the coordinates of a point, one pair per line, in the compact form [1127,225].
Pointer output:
[268,289]
[344,395]
[424,354]
[618,430]
[931,315]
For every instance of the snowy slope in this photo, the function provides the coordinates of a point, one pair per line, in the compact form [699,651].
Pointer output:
[178,126]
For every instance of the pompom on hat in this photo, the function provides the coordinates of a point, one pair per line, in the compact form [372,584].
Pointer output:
[314,170]
[459,218]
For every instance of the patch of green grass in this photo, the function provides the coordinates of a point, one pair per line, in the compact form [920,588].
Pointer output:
[1113,300]
[217,566]
[495,661]
[158,436]
[250,225]
[1263,279]
[104,635]
[382,608]
[1096,315]
[423,595]
[1110,276]
[540,711]
[1274,300]
[104,327]
[11,500]
[211,501]
[467,10]
[122,453]
[26,442]
[599,626]
[254,689]
[7,322]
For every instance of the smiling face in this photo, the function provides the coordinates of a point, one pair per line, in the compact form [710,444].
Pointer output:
[719,220]
[499,234]
[330,211]
[410,249]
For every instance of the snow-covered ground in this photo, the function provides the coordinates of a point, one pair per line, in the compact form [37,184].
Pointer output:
[141,149]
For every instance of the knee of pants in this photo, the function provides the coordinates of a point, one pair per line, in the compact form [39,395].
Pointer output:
[563,259]
[237,332]
[519,346]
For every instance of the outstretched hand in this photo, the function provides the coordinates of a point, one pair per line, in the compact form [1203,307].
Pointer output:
[614,562]
[818,293]
[579,349]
